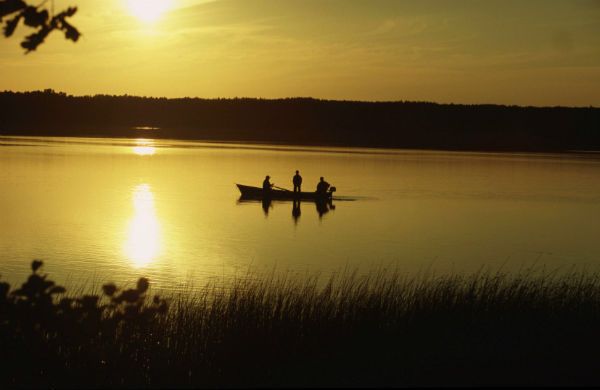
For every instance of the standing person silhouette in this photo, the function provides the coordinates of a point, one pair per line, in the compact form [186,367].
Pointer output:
[297,180]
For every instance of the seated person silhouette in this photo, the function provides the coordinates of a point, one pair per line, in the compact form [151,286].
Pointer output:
[266,184]
[322,186]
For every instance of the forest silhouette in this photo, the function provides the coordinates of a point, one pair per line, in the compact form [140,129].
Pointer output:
[304,121]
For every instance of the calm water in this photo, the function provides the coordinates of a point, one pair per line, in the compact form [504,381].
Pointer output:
[115,209]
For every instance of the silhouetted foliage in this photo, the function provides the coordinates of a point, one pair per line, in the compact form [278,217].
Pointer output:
[380,329]
[304,121]
[44,335]
[38,18]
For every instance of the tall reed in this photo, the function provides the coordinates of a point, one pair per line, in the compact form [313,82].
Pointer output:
[378,329]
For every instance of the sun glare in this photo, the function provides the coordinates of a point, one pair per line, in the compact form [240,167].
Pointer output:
[144,147]
[143,241]
[148,10]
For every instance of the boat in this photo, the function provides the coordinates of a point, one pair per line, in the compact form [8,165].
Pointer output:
[250,192]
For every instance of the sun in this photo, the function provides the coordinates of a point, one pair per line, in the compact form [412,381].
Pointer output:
[148,10]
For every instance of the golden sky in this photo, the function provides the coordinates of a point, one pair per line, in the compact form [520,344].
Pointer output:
[526,52]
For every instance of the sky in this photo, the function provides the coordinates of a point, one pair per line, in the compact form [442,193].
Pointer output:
[525,52]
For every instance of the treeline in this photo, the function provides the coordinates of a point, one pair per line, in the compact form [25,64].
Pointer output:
[307,121]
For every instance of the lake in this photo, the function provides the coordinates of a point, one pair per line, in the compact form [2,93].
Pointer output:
[98,210]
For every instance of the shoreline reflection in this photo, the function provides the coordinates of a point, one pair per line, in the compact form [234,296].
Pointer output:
[143,238]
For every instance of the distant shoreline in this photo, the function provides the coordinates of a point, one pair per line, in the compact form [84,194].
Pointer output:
[305,122]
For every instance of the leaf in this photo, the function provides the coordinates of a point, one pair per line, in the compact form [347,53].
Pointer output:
[59,19]
[66,303]
[132,311]
[46,284]
[36,264]
[109,289]
[89,301]
[130,295]
[4,288]
[11,25]
[57,290]
[70,32]
[32,41]
[65,14]
[9,6]
[35,18]
[142,285]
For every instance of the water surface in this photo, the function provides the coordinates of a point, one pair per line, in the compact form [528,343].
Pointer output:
[115,209]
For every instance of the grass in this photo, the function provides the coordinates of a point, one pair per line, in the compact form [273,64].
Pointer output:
[381,329]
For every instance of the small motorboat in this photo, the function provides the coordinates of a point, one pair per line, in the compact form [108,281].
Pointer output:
[250,192]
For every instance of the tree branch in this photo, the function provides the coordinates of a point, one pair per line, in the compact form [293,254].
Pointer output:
[37,18]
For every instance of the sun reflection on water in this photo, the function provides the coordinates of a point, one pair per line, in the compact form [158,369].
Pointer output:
[143,239]
[144,147]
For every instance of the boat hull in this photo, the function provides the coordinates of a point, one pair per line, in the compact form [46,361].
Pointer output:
[249,192]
